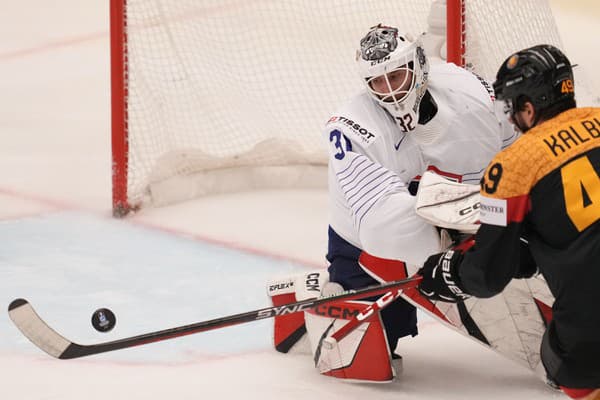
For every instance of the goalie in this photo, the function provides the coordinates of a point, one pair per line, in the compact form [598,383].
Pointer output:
[412,117]
[546,185]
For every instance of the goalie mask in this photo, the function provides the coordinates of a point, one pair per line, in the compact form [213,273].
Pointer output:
[395,69]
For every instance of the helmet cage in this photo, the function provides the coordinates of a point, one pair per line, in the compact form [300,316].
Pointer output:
[398,88]
[402,68]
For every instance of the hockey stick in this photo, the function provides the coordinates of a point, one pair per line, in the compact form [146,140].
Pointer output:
[47,339]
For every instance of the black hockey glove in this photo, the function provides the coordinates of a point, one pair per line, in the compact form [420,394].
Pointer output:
[440,277]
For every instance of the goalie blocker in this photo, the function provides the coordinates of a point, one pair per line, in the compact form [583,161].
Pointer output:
[362,355]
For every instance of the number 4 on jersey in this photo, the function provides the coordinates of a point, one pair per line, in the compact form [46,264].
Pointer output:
[581,186]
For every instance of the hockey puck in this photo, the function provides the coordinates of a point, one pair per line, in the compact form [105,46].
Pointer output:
[103,320]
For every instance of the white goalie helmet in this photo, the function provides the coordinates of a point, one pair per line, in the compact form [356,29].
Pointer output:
[395,69]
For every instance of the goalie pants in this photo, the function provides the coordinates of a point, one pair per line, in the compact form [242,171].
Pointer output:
[399,318]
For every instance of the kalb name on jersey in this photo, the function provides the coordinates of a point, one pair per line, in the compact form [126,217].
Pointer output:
[559,142]
[362,133]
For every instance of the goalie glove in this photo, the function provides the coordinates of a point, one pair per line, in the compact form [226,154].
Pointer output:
[448,204]
[440,277]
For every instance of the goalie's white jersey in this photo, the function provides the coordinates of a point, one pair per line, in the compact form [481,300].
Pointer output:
[372,162]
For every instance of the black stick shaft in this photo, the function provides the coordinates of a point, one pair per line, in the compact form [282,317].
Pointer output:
[43,336]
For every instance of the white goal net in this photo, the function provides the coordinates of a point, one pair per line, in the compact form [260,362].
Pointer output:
[211,96]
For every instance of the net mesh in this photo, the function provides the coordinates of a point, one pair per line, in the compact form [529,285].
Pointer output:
[226,84]
[495,31]
[244,84]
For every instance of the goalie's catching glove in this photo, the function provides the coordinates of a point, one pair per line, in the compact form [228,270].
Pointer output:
[440,277]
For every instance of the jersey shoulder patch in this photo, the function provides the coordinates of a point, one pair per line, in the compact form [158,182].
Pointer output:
[351,129]
[492,211]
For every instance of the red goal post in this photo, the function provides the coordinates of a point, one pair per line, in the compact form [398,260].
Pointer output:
[212,97]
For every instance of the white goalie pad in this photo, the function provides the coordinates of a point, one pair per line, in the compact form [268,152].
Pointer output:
[363,355]
[448,204]
[289,329]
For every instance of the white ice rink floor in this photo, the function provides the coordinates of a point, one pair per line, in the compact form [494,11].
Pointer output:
[60,248]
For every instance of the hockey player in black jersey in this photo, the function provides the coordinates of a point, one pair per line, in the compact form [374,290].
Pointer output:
[543,190]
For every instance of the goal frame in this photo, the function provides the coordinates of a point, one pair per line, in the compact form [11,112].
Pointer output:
[121,204]
[119,126]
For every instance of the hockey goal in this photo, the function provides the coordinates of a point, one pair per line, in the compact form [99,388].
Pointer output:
[213,96]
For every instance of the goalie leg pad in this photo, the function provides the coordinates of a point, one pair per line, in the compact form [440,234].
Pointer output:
[363,355]
[400,317]
[289,330]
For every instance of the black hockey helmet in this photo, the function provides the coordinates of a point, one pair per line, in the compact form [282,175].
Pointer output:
[540,74]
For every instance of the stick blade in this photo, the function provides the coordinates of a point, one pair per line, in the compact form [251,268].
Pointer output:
[35,329]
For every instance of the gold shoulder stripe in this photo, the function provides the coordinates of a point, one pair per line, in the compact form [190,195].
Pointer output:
[570,134]
[543,149]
